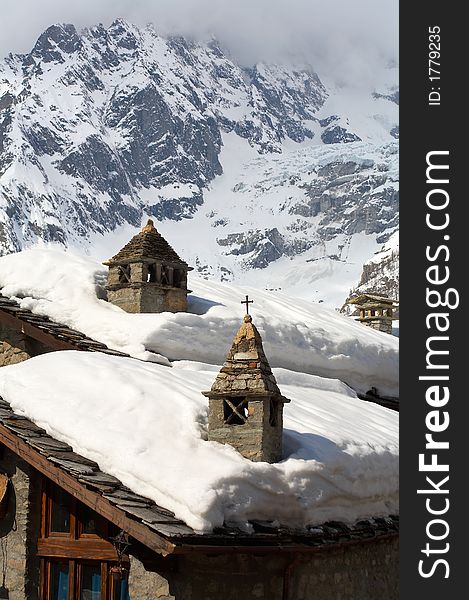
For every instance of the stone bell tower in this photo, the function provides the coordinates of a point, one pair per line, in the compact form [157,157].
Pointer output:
[375,311]
[147,276]
[245,403]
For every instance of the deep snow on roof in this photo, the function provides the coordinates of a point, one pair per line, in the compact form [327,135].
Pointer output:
[145,424]
[297,334]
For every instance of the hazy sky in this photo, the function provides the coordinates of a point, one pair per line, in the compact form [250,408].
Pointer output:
[343,36]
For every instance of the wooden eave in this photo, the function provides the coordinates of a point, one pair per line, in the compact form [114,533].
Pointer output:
[376,318]
[92,499]
[374,305]
[372,298]
[53,335]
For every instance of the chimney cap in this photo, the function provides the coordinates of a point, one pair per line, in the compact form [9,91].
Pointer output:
[149,227]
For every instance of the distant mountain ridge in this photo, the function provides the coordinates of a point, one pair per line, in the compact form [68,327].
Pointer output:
[102,127]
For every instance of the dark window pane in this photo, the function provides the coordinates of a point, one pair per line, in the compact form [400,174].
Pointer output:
[177,277]
[151,277]
[124,273]
[59,581]
[235,411]
[60,521]
[89,518]
[273,414]
[121,590]
[90,582]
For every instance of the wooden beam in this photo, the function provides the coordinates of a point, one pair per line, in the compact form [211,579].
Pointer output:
[92,499]
[34,332]
[84,549]
[279,547]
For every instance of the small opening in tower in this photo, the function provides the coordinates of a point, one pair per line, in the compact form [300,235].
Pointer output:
[235,411]
[164,275]
[177,278]
[273,413]
[151,275]
[124,273]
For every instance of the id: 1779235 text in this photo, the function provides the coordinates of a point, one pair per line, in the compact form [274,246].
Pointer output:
[434,73]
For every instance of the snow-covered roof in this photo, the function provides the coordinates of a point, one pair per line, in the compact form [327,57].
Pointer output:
[298,335]
[154,526]
[145,424]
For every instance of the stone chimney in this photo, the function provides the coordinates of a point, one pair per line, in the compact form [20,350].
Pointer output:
[375,311]
[245,403]
[147,276]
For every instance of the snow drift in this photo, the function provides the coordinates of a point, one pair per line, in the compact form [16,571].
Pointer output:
[298,334]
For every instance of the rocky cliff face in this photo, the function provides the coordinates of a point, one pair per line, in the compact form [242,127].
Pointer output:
[102,127]
[380,275]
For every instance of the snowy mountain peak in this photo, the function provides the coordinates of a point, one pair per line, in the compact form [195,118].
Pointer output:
[101,127]
[53,44]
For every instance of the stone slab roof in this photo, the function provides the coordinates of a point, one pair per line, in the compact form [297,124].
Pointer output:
[35,446]
[147,244]
[365,297]
[246,369]
[47,331]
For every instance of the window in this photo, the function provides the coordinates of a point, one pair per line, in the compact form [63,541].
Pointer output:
[178,277]
[273,413]
[151,276]
[60,512]
[79,580]
[124,273]
[235,411]
[76,553]
[164,275]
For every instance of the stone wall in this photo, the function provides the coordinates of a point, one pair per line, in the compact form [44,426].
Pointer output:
[148,298]
[365,571]
[19,530]
[256,439]
[13,346]
[384,325]
[16,346]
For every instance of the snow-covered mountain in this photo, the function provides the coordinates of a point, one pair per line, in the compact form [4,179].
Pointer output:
[267,173]
[381,272]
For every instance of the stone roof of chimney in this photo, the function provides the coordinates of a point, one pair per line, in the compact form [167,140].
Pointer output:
[246,370]
[147,244]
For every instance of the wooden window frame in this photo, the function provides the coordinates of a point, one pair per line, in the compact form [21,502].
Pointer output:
[75,548]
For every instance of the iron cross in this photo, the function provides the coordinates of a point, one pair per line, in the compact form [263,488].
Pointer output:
[247,302]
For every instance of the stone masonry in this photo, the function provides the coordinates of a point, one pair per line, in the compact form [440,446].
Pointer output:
[245,403]
[375,311]
[19,530]
[16,346]
[147,276]
[12,346]
[362,571]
